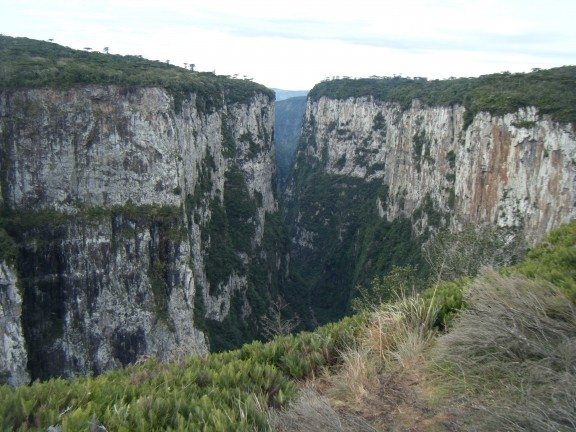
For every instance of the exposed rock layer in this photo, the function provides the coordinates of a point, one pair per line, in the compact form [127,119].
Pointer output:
[372,179]
[516,170]
[13,356]
[110,193]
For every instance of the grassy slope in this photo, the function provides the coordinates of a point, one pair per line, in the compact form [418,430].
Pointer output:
[553,91]
[27,63]
[230,391]
[224,391]
[505,361]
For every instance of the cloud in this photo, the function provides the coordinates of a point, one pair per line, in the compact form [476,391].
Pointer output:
[412,32]
[300,42]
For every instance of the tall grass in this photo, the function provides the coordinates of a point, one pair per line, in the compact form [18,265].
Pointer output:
[512,354]
[396,337]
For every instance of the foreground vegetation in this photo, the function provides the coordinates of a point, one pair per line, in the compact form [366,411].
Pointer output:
[505,360]
[28,63]
[552,91]
[223,392]
[515,371]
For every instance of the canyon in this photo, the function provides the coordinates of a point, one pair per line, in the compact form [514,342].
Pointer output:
[132,223]
[374,178]
[143,219]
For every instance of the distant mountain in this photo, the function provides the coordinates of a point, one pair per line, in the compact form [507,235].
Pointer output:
[286,94]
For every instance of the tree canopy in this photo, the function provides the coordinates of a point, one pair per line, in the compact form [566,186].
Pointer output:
[27,63]
[552,91]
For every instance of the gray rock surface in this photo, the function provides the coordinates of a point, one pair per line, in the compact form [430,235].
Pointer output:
[373,181]
[116,274]
[13,356]
[516,170]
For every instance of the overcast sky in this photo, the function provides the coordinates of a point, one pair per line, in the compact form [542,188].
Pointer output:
[295,44]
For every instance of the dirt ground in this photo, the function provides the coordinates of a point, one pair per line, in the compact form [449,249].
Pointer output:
[401,402]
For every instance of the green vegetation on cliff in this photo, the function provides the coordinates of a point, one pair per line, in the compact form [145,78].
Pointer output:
[224,392]
[341,241]
[230,250]
[552,91]
[27,63]
[515,330]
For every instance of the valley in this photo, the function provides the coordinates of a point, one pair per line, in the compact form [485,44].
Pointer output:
[158,224]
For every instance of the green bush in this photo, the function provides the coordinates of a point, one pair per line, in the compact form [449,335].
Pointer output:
[400,280]
[553,259]
[448,298]
[228,391]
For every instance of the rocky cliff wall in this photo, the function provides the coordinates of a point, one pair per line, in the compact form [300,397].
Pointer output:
[13,355]
[513,170]
[371,179]
[123,202]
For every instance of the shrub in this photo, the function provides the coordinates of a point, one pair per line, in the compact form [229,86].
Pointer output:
[399,281]
[453,255]
[223,392]
[513,354]
[553,260]
[448,298]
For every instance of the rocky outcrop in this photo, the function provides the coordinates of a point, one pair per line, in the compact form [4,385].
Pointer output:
[123,203]
[101,292]
[13,356]
[372,179]
[513,170]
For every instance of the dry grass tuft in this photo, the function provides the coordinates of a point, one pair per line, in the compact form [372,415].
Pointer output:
[381,383]
[357,376]
[313,413]
[382,378]
[513,354]
[400,331]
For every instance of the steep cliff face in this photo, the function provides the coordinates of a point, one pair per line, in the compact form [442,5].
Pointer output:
[124,207]
[13,356]
[512,170]
[373,177]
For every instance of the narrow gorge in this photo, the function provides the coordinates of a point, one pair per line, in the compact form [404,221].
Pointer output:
[384,163]
[140,215]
